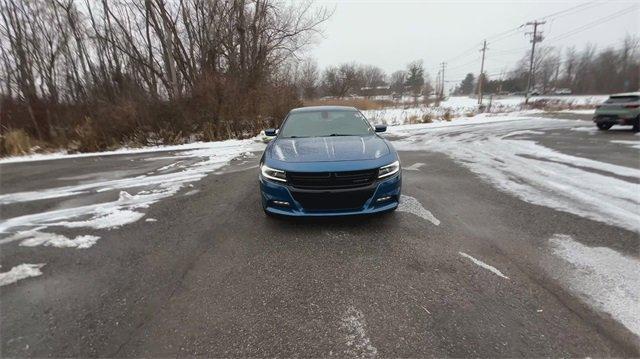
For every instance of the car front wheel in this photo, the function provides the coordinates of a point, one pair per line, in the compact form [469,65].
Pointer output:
[604,126]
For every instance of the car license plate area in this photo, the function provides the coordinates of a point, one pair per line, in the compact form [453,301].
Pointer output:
[319,201]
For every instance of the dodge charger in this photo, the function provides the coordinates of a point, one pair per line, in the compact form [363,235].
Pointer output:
[328,161]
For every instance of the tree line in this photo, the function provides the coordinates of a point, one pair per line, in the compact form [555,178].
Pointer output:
[343,80]
[586,71]
[97,74]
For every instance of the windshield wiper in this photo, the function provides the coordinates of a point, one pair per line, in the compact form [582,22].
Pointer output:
[340,134]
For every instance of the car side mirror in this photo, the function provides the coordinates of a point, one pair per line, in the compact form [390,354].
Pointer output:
[270,132]
[381,128]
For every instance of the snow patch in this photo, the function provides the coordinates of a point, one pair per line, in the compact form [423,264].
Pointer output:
[579,112]
[105,218]
[523,132]
[125,209]
[411,205]
[484,265]
[192,192]
[535,173]
[151,220]
[19,272]
[132,151]
[34,238]
[633,144]
[354,326]
[169,166]
[603,277]
[590,129]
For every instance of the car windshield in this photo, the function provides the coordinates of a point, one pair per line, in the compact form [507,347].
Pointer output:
[623,99]
[324,123]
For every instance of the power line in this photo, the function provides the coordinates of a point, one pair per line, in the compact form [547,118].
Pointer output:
[465,64]
[592,24]
[505,34]
[537,37]
[512,31]
[570,10]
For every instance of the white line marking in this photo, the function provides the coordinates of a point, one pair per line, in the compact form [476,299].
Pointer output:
[19,272]
[359,344]
[603,277]
[484,265]
[412,205]
[414,167]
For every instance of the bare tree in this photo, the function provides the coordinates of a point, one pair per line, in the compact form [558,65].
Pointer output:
[64,61]
[308,78]
[373,76]
[397,81]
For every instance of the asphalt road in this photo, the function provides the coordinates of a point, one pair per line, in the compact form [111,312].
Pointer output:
[213,276]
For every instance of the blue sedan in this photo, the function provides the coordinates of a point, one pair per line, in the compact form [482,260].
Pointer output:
[329,161]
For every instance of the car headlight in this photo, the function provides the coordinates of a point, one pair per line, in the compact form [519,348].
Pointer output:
[388,170]
[273,174]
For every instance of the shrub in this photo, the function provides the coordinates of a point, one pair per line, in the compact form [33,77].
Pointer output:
[87,138]
[447,116]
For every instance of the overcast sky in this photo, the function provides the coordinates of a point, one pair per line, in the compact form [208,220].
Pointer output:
[389,34]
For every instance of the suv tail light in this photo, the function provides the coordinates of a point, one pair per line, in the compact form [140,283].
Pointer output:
[631,106]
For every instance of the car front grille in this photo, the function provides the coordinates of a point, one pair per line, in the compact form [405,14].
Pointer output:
[318,201]
[332,180]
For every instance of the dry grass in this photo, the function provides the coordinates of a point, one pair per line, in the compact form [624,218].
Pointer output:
[14,143]
[218,109]
[359,103]
[558,105]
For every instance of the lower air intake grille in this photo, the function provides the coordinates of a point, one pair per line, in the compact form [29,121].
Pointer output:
[312,201]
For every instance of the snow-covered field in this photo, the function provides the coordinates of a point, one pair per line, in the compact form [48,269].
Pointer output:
[460,106]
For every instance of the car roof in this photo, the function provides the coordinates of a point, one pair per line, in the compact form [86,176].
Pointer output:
[625,94]
[324,108]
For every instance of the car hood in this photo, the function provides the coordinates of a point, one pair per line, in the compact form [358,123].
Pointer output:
[319,149]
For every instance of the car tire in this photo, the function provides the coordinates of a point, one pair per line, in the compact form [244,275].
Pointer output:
[604,126]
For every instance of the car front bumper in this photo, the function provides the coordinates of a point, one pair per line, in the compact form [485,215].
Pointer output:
[382,196]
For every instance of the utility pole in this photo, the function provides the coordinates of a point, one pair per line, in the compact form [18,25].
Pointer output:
[501,80]
[443,65]
[437,89]
[481,77]
[536,37]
